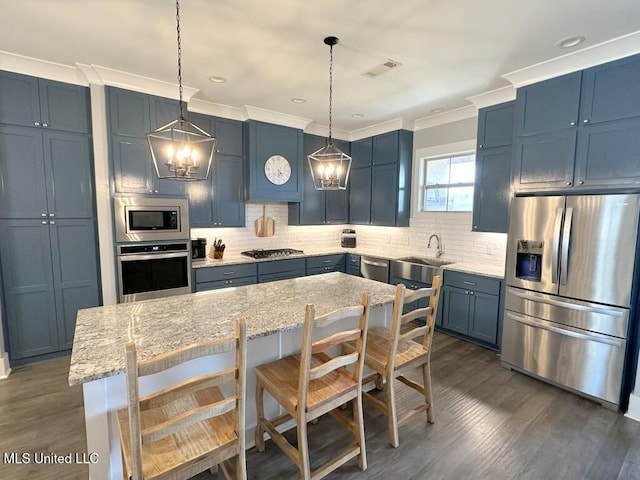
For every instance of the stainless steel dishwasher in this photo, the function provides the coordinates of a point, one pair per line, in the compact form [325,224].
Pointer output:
[375,268]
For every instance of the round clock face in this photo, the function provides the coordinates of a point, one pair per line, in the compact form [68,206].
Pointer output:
[277,169]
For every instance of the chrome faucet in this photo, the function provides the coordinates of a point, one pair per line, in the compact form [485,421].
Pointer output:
[440,250]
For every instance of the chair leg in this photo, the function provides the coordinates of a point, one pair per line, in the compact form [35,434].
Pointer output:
[392,414]
[428,395]
[241,467]
[303,450]
[260,415]
[358,432]
[213,470]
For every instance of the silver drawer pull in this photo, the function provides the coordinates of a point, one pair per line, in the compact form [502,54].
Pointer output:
[228,273]
[468,283]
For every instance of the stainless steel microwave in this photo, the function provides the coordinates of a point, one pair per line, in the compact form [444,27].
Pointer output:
[148,219]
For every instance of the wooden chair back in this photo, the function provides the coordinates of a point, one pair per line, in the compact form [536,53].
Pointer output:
[402,328]
[323,363]
[234,376]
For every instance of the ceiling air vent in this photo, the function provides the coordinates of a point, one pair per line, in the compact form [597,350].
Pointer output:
[380,69]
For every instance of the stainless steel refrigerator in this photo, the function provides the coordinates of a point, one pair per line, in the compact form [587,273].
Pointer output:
[569,272]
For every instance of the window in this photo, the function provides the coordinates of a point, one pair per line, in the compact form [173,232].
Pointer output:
[446,183]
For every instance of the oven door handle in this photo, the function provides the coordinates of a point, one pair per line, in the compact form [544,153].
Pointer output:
[151,256]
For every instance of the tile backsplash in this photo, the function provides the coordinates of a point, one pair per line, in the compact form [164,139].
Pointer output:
[454,229]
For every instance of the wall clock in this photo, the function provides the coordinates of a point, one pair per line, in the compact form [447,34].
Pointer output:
[277,169]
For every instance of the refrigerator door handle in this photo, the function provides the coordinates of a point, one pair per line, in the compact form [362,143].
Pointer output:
[564,256]
[594,337]
[556,245]
[557,303]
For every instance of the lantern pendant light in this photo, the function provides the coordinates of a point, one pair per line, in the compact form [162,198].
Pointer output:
[330,166]
[180,150]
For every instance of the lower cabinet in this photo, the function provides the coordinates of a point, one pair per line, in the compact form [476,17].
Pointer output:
[411,285]
[50,270]
[213,278]
[470,306]
[325,264]
[352,262]
[281,269]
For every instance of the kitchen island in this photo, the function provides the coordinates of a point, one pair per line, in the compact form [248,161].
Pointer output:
[274,313]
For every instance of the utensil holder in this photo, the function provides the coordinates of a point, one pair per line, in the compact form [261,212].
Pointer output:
[217,254]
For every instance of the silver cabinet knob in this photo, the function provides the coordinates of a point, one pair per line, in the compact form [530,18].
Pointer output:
[568,184]
[475,227]
[466,292]
[573,124]
[480,146]
[43,214]
[586,120]
[45,124]
[52,214]
[37,124]
[44,222]
[470,293]
[52,222]
[580,182]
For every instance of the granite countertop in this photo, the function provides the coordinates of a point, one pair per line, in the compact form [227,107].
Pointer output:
[162,325]
[495,271]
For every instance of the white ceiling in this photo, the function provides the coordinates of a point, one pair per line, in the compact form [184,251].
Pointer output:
[272,51]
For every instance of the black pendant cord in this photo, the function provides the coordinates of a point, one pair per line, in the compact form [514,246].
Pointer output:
[179,56]
[330,89]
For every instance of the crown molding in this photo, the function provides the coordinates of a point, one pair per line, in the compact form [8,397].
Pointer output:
[493,97]
[461,113]
[384,127]
[579,60]
[263,115]
[217,109]
[323,131]
[35,67]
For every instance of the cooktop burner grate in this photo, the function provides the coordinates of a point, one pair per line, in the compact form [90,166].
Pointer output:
[277,252]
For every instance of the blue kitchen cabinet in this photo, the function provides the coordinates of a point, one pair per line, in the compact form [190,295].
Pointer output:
[411,285]
[273,270]
[219,200]
[225,276]
[548,106]
[326,264]
[36,102]
[44,289]
[457,305]
[495,126]
[353,264]
[380,194]
[131,115]
[319,207]
[362,152]
[262,141]
[45,173]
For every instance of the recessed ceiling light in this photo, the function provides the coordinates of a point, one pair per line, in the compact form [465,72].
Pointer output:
[217,79]
[570,42]
[298,100]
[437,110]
[357,115]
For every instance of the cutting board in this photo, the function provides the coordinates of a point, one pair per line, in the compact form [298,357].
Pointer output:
[265,226]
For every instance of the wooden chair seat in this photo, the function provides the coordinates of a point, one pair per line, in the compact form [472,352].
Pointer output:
[189,445]
[281,380]
[407,354]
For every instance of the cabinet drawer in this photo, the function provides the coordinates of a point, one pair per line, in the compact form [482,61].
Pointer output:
[472,282]
[214,274]
[325,261]
[232,282]
[277,266]
[327,269]
[272,277]
[353,259]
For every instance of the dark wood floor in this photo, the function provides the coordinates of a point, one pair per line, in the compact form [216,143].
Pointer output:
[491,423]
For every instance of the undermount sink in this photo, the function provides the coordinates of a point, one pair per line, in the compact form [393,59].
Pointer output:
[432,262]
[418,269]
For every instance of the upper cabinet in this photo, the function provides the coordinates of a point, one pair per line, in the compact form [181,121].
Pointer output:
[40,103]
[492,188]
[580,131]
[274,167]
[380,179]
[319,207]
[131,116]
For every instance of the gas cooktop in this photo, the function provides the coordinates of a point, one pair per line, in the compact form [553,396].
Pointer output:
[277,252]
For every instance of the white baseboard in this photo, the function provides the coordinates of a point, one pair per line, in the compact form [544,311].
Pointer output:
[5,369]
[633,411]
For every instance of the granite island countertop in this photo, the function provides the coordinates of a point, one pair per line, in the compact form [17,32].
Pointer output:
[162,325]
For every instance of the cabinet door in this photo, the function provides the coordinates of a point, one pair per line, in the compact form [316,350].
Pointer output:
[64,106]
[229,136]
[607,154]
[311,209]
[228,195]
[385,148]
[362,152]
[483,318]
[128,112]
[360,196]
[610,91]
[544,161]
[132,165]
[201,209]
[28,288]
[163,111]
[384,185]
[75,273]
[167,187]
[455,315]
[22,173]
[492,190]
[549,105]
[337,201]
[19,100]
[68,166]
[495,126]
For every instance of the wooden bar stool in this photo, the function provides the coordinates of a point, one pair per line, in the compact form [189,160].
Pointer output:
[313,383]
[393,352]
[188,428]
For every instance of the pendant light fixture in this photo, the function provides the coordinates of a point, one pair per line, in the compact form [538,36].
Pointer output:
[330,166]
[180,150]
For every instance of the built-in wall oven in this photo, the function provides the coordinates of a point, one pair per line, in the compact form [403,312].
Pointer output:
[153,247]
